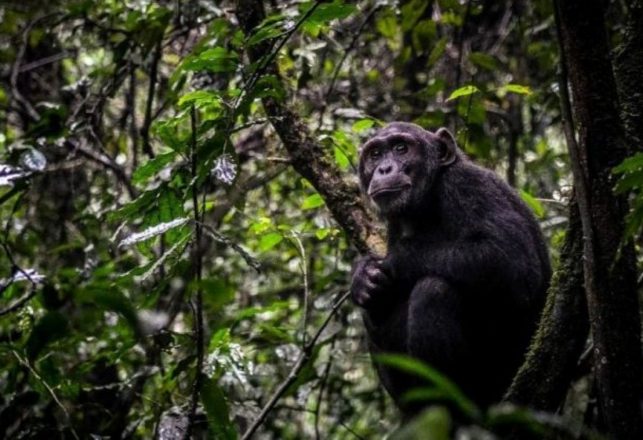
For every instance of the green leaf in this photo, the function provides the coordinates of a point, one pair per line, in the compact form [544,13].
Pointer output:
[153,166]
[340,158]
[269,86]
[216,59]
[362,125]
[432,424]
[271,27]
[441,382]
[51,327]
[216,409]
[269,241]
[507,415]
[216,292]
[411,13]
[629,181]
[387,26]
[312,201]
[330,11]
[483,60]
[322,233]
[426,394]
[634,220]
[533,203]
[632,163]
[200,99]
[261,225]
[515,88]
[437,51]
[463,91]
[424,33]
[170,253]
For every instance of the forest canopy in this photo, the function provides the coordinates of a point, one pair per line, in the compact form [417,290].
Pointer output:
[180,210]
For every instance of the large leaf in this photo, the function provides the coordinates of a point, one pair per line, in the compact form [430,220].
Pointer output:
[216,59]
[330,11]
[151,167]
[411,13]
[201,99]
[533,203]
[515,88]
[442,383]
[271,27]
[432,424]
[138,206]
[463,91]
[313,201]
[270,240]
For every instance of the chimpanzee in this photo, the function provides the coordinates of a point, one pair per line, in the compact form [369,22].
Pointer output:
[464,280]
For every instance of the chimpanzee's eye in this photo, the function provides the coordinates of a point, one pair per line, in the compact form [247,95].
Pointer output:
[375,153]
[400,148]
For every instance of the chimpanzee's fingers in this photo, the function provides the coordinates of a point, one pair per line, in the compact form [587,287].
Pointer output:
[385,266]
[377,276]
[362,297]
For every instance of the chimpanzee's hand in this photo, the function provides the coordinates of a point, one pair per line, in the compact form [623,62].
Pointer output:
[371,279]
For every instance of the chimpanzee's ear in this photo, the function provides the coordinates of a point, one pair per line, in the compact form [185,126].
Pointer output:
[448,147]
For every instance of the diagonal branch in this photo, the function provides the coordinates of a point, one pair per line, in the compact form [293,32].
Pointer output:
[308,157]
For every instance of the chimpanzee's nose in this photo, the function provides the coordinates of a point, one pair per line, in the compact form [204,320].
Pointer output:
[385,168]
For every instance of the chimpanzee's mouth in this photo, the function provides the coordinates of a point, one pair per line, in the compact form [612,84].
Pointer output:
[388,190]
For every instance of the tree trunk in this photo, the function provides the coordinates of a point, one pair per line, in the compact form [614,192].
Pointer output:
[543,380]
[609,265]
[628,68]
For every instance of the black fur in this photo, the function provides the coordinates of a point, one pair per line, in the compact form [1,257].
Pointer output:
[467,268]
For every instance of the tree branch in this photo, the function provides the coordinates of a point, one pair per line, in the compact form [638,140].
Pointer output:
[609,264]
[308,157]
[198,263]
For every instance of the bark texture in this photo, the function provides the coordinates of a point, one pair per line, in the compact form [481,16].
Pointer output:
[628,68]
[609,269]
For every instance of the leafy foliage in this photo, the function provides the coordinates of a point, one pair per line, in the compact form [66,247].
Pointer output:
[142,185]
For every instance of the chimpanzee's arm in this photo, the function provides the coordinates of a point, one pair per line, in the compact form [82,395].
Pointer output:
[464,263]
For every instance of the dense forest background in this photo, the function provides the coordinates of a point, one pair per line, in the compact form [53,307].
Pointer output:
[179,209]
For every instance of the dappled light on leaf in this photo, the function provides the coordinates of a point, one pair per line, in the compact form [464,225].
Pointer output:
[152,232]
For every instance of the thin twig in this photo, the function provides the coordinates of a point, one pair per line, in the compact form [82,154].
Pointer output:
[261,68]
[197,262]
[258,121]
[44,61]
[304,273]
[304,357]
[273,54]
[253,262]
[49,389]
[17,304]
[460,44]
[350,430]
[322,387]
[131,108]
[31,112]
[104,160]
[147,122]
[338,68]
